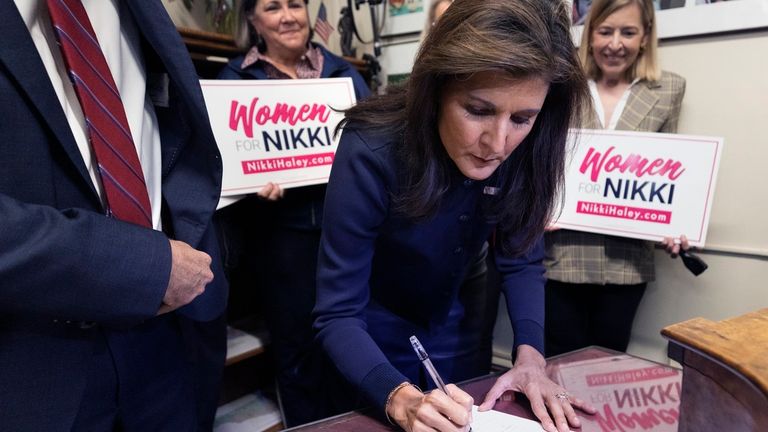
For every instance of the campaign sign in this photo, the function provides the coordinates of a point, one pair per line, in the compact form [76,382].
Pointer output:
[278,131]
[629,394]
[640,185]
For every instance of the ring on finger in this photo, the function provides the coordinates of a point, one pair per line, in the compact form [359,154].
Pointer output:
[563,396]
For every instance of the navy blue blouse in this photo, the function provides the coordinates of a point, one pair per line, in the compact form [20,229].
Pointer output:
[371,257]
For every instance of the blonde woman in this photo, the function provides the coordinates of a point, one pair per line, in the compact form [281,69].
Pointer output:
[595,282]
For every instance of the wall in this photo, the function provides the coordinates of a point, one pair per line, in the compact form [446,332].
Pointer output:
[333,11]
[727,95]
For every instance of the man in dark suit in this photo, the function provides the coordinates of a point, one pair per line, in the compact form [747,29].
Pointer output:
[100,319]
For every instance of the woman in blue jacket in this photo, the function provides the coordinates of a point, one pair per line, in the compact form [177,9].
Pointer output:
[277,35]
[473,144]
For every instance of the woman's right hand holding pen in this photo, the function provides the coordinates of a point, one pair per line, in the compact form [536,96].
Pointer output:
[414,411]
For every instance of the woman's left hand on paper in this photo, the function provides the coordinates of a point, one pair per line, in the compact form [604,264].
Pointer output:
[550,402]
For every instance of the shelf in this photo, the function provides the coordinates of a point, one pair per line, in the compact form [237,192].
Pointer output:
[242,345]
[253,412]
[209,43]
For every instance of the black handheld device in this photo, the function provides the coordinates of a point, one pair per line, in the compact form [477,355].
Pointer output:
[693,263]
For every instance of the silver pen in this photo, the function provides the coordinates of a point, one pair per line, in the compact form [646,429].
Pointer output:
[424,357]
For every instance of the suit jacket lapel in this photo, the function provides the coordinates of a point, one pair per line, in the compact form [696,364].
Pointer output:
[184,126]
[641,101]
[20,57]
[161,36]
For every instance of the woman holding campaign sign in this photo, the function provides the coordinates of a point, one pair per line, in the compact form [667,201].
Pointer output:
[595,282]
[473,142]
[277,35]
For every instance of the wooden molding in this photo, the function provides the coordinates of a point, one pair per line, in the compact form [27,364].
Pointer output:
[208,43]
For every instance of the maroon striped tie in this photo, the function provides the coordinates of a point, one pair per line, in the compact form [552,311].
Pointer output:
[106,123]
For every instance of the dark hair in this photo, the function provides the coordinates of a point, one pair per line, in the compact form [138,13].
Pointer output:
[246,36]
[522,38]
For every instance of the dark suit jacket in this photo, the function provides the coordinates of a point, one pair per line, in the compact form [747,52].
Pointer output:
[61,259]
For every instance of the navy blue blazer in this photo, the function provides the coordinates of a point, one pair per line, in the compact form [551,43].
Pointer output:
[61,259]
[382,277]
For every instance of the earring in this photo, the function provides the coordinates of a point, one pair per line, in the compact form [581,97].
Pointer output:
[261,45]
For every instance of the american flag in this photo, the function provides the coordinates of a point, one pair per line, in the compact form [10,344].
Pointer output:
[322,27]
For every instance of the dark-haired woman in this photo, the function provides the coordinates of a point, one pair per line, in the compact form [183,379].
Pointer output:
[277,35]
[473,143]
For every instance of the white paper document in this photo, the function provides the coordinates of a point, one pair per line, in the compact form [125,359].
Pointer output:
[497,421]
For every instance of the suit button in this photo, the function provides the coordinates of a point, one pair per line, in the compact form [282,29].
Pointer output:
[463,218]
[467,182]
[458,250]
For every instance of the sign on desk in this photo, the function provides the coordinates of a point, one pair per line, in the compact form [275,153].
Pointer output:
[630,394]
[640,185]
[278,131]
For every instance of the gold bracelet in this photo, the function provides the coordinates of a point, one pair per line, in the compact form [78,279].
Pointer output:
[392,395]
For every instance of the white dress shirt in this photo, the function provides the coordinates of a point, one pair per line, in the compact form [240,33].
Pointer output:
[598,104]
[123,54]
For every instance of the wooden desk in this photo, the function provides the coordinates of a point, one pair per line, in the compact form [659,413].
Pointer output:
[359,421]
[725,372]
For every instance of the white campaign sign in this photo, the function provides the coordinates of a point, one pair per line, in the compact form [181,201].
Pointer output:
[640,185]
[278,131]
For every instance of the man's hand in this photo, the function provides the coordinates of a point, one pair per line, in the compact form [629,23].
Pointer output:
[190,273]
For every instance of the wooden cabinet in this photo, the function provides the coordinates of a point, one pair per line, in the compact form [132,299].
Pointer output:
[248,398]
[209,51]
[725,372]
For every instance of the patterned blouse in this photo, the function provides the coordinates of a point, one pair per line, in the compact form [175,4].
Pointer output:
[310,65]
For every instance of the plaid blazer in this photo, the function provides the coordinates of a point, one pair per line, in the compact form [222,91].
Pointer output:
[580,257]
